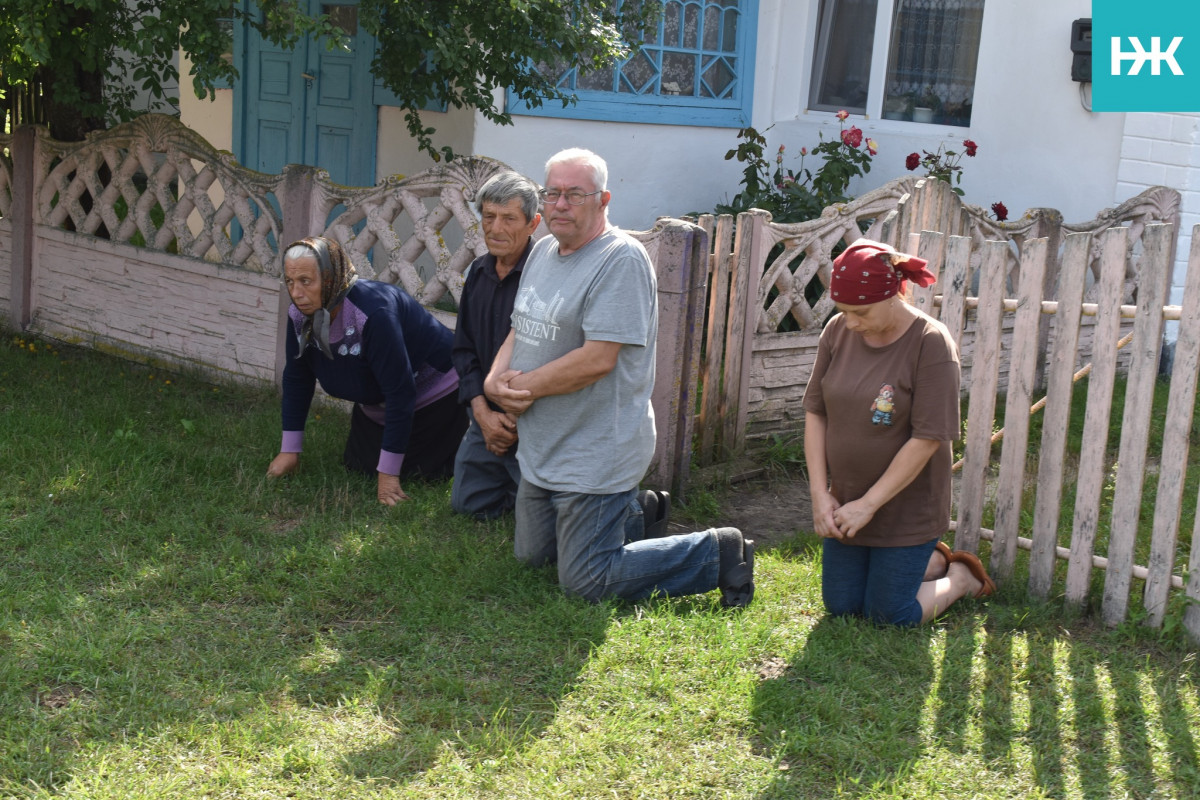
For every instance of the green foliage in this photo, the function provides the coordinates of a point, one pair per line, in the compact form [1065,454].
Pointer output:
[785,455]
[800,194]
[452,51]
[78,65]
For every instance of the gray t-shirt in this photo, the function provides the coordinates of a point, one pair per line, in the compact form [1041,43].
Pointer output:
[600,439]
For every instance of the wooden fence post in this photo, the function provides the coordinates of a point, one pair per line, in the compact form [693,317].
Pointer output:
[25,147]
[300,210]
[1057,413]
[1095,423]
[681,263]
[1022,369]
[931,246]
[1168,500]
[1049,225]
[711,424]
[953,281]
[750,246]
[1154,269]
[981,413]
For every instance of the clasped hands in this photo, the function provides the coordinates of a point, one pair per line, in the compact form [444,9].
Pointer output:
[499,389]
[832,520]
[499,429]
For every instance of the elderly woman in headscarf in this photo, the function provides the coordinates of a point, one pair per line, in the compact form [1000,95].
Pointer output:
[881,409]
[371,343]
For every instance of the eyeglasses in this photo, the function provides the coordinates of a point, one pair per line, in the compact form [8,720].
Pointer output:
[574,197]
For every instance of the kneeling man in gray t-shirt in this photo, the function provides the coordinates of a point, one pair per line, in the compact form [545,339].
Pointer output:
[577,370]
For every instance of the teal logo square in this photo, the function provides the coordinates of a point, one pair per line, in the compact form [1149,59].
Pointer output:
[1145,56]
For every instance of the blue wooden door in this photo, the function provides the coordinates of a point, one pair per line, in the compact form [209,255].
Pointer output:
[309,104]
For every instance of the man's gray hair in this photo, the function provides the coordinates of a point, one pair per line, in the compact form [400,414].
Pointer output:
[505,186]
[577,155]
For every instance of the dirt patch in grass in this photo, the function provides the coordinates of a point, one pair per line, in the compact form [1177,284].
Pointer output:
[769,507]
[61,696]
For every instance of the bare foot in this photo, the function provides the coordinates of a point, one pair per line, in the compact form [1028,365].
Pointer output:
[938,566]
[960,575]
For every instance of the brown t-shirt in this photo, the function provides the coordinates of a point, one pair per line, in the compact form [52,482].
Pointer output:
[874,399]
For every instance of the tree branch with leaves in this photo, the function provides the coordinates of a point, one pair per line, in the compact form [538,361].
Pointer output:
[78,65]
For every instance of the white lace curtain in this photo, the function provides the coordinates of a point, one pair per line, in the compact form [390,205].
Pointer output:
[934,50]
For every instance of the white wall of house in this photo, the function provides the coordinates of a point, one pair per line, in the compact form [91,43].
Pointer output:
[654,170]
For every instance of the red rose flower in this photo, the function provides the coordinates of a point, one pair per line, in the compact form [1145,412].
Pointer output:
[971,147]
[843,115]
[913,161]
[1000,210]
[852,137]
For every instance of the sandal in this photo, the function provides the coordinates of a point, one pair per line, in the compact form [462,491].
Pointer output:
[972,562]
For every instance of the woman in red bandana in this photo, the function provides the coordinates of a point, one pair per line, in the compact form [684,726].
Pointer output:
[881,410]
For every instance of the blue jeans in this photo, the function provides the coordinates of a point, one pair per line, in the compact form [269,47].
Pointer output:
[485,484]
[585,534]
[879,583]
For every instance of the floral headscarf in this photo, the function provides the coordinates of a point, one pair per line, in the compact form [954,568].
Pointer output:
[337,276]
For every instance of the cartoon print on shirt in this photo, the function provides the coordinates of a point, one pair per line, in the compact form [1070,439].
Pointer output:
[882,406]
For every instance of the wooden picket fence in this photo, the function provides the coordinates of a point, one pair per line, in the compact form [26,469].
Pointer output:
[1005,492]
[768,301]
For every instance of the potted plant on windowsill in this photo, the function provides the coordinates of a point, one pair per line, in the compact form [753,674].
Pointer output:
[926,106]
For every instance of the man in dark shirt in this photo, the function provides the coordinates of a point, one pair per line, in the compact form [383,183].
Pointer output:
[485,469]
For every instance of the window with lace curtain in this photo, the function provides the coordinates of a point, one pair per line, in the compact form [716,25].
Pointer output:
[697,68]
[909,60]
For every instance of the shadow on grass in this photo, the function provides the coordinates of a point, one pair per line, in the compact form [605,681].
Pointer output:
[846,712]
[1025,698]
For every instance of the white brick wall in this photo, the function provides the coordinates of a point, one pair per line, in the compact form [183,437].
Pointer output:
[1164,149]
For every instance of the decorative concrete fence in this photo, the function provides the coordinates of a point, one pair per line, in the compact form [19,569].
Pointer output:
[146,241]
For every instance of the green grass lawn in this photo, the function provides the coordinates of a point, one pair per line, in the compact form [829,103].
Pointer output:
[173,625]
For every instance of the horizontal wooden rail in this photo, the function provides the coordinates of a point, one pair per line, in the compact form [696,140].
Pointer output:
[1064,553]
[1050,307]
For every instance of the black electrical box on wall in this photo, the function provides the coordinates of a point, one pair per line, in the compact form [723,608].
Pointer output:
[1081,46]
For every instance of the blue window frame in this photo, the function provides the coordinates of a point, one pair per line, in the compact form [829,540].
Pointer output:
[696,69]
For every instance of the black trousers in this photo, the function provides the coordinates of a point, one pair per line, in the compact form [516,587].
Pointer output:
[436,431]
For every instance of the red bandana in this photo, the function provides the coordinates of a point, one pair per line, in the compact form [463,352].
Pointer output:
[870,272]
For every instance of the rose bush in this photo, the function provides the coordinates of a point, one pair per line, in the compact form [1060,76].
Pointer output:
[943,163]
[800,194]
